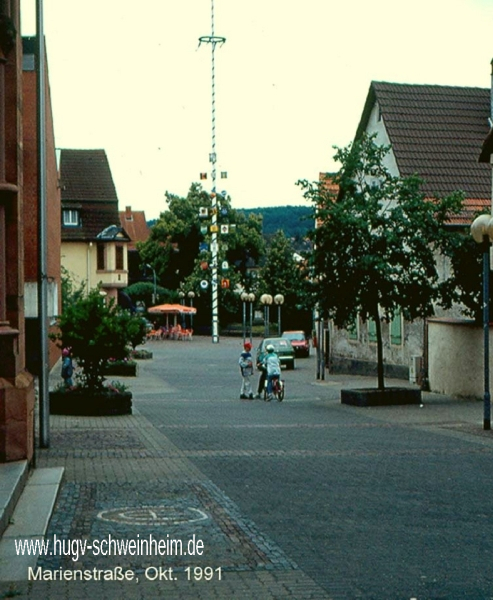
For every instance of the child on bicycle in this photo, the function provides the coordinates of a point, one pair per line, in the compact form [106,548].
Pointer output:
[273,368]
[246,369]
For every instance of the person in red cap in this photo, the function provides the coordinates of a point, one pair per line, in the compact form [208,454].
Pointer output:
[246,369]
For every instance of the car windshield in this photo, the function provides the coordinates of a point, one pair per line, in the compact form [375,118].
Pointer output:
[278,344]
[294,336]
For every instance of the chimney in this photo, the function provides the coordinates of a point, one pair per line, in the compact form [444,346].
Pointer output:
[128,213]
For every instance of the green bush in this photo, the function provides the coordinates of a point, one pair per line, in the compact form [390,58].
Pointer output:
[97,332]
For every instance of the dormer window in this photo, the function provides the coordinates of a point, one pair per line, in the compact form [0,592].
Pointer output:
[70,217]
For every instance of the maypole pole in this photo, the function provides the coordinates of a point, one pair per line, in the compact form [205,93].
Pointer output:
[213,40]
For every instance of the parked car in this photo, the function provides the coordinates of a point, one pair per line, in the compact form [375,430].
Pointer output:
[283,349]
[299,342]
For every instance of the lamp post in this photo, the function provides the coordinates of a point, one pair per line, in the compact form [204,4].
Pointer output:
[154,289]
[244,299]
[266,300]
[482,232]
[279,300]
[247,299]
[191,295]
[181,295]
[251,300]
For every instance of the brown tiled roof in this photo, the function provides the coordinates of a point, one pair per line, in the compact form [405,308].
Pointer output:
[135,224]
[86,175]
[436,132]
[87,186]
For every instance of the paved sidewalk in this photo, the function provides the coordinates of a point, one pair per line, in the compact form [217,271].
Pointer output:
[125,479]
[146,486]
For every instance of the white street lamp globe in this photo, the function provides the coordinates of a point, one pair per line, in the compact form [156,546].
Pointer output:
[279,299]
[481,226]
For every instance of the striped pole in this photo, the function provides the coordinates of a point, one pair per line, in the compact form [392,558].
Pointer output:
[213,40]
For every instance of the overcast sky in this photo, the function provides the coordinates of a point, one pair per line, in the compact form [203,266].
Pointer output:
[291,82]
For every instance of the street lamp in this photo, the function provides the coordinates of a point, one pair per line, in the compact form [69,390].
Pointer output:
[482,233]
[247,299]
[279,300]
[154,289]
[181,295]
[251,300]
[191,295]
[266,300]
[244,299]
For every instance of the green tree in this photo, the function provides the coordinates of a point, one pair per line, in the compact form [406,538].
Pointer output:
[143,291]
[95,332]
[173,244]
[282,273]
[71,292]
[376,247]
[179,248]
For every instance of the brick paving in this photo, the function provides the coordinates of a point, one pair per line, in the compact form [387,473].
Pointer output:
[304,499]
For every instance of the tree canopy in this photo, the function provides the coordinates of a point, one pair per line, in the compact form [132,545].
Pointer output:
[377,241]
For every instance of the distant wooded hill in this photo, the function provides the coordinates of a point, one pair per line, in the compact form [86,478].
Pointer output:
[295,221]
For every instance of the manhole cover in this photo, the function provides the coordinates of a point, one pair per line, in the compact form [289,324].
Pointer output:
[153,515]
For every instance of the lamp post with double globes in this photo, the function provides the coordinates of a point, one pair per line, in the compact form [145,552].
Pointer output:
[266,301]
[279,300]
[482,233]
[247,299]
[251,300]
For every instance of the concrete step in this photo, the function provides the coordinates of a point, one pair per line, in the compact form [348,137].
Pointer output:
[29,521]
[13,477]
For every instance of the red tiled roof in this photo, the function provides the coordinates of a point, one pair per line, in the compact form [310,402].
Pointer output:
[135,224]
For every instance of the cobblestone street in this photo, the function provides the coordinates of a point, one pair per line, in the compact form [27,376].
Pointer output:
[306,498]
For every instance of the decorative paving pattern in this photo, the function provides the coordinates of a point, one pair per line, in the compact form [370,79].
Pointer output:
[149,516]
[99,511]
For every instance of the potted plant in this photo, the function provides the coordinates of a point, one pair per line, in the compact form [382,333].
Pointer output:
[95,332]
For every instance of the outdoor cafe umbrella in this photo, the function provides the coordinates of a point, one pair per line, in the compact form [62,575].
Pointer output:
[172,309]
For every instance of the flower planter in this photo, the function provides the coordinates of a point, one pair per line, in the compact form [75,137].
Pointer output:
[141,355]
[386,397]
[83,403]
[128,369]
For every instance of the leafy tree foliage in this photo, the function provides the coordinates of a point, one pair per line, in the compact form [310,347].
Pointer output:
[142,291]
[71,292]
[376,246]
[174,249]
[283,274]
[95,332]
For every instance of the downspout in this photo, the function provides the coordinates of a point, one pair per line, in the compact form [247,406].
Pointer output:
[89,267]
[44,393]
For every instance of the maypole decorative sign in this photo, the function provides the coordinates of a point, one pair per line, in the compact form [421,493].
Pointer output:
[213,40]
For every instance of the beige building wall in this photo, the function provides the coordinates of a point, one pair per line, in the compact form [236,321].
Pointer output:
[80,259]
[455,357]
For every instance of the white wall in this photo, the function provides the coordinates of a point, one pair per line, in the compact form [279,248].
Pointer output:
[455,357]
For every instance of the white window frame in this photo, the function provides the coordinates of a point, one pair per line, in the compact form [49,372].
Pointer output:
[70,217]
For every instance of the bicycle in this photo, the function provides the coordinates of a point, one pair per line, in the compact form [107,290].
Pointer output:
[278,389]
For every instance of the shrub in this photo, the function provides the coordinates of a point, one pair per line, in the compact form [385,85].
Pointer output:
[96,332]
